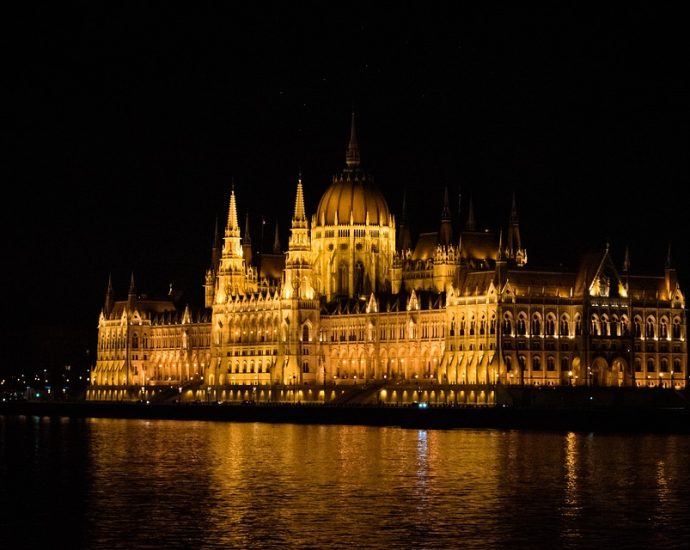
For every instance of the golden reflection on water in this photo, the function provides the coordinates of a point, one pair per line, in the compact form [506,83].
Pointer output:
[234,485]
[571,509]
[571,475]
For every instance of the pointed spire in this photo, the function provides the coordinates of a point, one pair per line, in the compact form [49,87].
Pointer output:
[514,248]
[109,297]
[232,212]
[216,235]
[445,213]
[216,248]
[246,238]
[232,247]
[300,214]
[446,232]
[670,277]
[132,287]
[247,242]
[500,245]
[352,153]
[471,224]
[276,241]
[626,260]
[513,211]
[132,293]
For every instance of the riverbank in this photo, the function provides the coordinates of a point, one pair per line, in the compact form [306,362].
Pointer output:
[592,419]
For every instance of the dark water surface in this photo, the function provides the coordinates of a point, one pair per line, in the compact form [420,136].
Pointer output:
[104,483]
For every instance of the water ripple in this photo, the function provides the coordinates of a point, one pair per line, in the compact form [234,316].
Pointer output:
[106,483]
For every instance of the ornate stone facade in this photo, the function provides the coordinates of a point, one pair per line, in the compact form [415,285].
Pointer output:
[450,318]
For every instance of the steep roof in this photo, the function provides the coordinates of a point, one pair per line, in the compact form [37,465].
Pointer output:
[271,266]
[541,283]
[426,246]
[147,308]
[477,245]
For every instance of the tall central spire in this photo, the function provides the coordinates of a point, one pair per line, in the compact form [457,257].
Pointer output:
[352,153]
[232,247]
[300,214]
[232,226]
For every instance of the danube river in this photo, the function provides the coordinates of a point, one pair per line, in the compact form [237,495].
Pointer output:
[107,483]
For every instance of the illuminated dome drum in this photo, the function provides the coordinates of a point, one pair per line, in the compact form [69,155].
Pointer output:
[352,198]
[353,233]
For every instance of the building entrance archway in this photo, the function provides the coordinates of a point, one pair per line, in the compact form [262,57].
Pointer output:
[601,373]
[619,371]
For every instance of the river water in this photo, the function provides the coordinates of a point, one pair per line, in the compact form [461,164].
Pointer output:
[107,483]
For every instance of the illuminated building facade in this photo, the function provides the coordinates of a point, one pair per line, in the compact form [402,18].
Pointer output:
[353,302]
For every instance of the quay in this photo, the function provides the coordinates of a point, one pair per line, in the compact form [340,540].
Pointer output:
[602,410]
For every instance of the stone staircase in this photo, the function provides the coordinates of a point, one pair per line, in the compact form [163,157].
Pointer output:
[358,395]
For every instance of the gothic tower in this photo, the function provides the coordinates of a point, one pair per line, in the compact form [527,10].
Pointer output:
[298,269]
[299,308]
[231,279]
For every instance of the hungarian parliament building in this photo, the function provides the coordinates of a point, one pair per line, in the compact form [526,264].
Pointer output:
[354,307]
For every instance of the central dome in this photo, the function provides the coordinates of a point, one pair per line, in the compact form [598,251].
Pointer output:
[352,194]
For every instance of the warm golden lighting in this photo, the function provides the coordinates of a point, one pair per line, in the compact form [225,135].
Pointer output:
[353,300]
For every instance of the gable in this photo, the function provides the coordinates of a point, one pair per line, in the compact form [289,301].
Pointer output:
[606,281]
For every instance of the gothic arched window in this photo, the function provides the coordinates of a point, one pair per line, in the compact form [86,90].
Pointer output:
[550,325]
[638,327]
[663,327]
[536,324]
[563,329]
[676,327]
[605,326]
[507,325]
[595,327]
[522,324]
[536,363]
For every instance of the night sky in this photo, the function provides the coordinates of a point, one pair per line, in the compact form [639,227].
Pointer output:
[126,127]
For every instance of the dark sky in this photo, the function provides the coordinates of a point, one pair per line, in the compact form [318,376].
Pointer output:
[127,126]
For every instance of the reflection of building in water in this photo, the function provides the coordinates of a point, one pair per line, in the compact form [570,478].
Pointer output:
[354,301]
